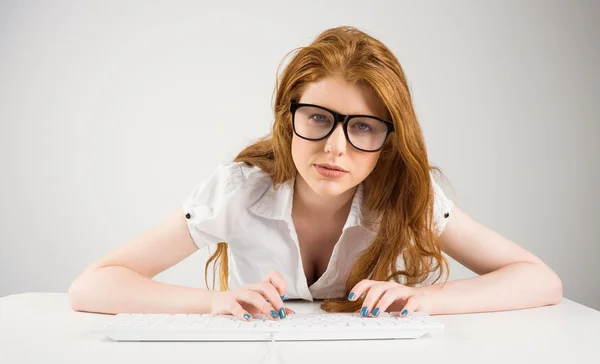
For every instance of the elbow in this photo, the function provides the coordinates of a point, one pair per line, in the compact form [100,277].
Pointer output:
[77,295]
[83,290]
[555,289]
[74,296]
[558,291]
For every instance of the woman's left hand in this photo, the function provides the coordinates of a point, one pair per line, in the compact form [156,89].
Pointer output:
[381,296]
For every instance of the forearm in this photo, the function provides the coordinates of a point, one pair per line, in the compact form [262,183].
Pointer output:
[120,290]
[516,286]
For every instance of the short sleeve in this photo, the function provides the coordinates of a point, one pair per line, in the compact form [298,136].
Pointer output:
[214,204]
[442,207]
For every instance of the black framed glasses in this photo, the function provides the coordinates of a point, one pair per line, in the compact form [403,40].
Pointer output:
[364,132]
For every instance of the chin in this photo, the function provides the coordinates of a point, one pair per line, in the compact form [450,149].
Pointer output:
[328,188]
[328,191]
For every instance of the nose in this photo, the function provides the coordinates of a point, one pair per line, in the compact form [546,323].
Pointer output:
[336,143]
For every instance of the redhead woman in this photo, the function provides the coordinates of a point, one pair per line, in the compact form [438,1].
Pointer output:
[337,203]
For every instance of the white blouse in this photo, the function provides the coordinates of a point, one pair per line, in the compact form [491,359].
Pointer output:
[239,205]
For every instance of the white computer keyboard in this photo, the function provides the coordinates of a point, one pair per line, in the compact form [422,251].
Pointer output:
[295,327]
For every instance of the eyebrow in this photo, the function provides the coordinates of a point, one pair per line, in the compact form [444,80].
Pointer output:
[331,109]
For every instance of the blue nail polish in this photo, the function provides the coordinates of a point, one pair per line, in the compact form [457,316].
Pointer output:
[376,311]
[247,316]
[351,295]
[282,313]
[282,297]
[364,312]
[274,314]
[404,313]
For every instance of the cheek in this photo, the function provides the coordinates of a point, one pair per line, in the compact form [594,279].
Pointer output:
[366,162]
[302,150]
[296,153]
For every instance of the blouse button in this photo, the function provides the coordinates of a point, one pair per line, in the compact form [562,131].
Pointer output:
[446,215]
[187,216]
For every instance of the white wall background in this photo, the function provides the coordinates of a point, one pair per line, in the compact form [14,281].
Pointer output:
[111,111]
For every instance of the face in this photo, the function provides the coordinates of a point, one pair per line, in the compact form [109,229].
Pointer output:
[340,96]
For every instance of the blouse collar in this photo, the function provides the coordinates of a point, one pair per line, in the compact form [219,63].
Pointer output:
[276,204]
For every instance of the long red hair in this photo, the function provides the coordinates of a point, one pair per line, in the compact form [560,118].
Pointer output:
[399,190]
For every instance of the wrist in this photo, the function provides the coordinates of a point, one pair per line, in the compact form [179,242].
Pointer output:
[426,299]
[204,301]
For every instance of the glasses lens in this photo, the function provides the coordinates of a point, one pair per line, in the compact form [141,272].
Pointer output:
[367,133]
[312,122]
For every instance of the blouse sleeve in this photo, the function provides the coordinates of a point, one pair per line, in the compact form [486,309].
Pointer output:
[442,207]
[214,204]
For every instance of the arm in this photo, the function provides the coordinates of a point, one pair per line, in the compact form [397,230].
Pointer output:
[509,276]
[121,281]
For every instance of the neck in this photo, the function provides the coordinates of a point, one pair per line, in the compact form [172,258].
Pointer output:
[307,201]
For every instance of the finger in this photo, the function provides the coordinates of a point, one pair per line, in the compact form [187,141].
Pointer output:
[250,308]
[412,304]
[374,294]
[257,300]
[360,288]
[388,298]
[276,279]
[267,290]
[238,311]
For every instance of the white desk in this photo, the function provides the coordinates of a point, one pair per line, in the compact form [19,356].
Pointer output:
[41,328]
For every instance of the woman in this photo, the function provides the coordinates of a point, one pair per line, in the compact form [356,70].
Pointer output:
[337,203]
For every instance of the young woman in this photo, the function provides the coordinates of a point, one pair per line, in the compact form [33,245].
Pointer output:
[337,203]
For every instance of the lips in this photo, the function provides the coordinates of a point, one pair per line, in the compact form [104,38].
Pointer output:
[332,167]
[330,173]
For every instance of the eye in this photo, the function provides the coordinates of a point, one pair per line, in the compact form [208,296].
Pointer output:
[363,127]
[320,118]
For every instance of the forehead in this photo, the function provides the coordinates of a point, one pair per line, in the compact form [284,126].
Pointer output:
[337,94]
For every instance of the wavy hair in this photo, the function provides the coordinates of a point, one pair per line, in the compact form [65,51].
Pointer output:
[398,191]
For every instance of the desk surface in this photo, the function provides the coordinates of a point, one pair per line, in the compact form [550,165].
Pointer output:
[41,327]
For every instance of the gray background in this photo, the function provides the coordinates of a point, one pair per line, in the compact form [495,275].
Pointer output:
[111,112]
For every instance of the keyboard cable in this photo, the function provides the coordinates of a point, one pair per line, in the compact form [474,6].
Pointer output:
[272,349]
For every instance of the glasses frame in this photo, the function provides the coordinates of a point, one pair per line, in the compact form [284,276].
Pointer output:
[339,118]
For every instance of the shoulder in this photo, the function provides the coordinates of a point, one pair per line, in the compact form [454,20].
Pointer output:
[214,205]
[231,181]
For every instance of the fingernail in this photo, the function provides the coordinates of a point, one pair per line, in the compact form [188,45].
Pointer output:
[247,316]
[364,312]
[376,311]
[282,313]
[274,314]
[282,297]
[351,295]
[403,313]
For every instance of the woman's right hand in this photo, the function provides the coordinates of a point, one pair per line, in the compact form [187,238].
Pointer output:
[264,297]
